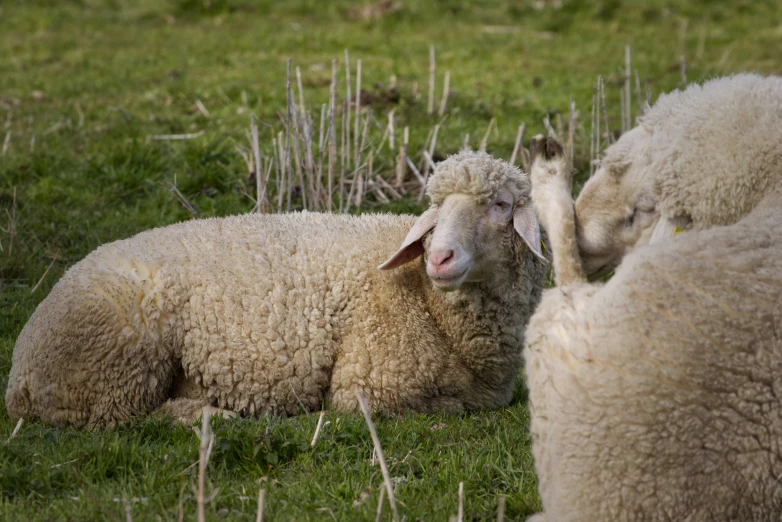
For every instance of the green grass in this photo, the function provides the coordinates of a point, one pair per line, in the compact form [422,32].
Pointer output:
[91,80]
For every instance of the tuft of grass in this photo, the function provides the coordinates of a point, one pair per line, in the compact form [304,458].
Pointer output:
[86,86]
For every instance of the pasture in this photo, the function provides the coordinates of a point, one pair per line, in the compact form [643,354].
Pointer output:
[117,116]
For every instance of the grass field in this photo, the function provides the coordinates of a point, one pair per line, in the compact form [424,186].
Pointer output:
[84,85]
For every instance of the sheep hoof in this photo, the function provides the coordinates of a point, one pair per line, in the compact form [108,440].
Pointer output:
[548,148]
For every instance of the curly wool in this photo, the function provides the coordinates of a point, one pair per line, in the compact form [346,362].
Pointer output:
[697,159]
[477,174]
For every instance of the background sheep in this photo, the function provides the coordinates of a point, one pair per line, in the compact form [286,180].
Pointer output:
[258,313]
[655,397]
[688,152]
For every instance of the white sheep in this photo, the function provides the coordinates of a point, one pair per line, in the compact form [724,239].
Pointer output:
[656,396]
[700,157]
[266,313]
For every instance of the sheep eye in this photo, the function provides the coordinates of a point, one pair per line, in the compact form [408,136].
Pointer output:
[502,205]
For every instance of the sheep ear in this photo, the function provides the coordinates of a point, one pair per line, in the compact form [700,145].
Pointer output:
[412,246]
[526,225]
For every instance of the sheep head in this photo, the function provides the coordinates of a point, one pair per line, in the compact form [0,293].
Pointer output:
[617,210]
[480,218]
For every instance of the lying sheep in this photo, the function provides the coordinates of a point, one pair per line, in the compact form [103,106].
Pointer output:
[268,313]
[655,396]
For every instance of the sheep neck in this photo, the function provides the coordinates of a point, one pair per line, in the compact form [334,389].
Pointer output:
[484,324]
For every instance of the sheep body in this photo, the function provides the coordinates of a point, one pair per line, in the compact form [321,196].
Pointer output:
[267,314]
[655,396]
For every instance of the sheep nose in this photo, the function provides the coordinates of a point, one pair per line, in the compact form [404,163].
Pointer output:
[440,258]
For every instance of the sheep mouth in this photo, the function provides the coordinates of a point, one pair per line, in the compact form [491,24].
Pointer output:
[448,282]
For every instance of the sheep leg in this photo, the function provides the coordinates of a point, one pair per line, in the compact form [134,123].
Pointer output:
[551,196]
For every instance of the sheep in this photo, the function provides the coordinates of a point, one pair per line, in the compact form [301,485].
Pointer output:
[674,169]
[655,396]
[278,313]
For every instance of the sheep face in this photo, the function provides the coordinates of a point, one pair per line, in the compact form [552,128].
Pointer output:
[480,219]
[472,240]
[616,210]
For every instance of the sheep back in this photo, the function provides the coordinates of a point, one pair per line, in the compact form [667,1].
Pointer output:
[715,150]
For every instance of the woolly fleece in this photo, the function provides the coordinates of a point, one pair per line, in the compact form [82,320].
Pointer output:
[695,158]
[255,313]
[656,396]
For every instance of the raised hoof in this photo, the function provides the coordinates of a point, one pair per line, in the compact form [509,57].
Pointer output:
[547,148]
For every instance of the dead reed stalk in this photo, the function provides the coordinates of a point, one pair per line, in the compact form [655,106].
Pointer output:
[432,68]
[362,402]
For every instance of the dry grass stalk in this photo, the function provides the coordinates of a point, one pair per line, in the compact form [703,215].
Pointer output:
[128,511]
[81,115]
[332,136]
[683,35]
[55,258]
[322,136]
[201,108]
[182,199]
[623,114]
[32,144]
[362,402]
[345,154]
[391,132]
[289,108]
[259,190]
[281,163]
[485,140]
[204,452]
[261,504]
[460,513]
[380,498]
[416,172]
[296,132]
[11,230]
[356,152]
[627,124]
[6,143]
[446,86]
[18,427]
[466,143]
[501,509]
[684,70]
[402,159]
[641,108]
[609,137]
[597,118]
[176,137]
[346,115]
[302,107]
[432,68]
[571,134]
[517,144]
[389,188]
[318,428]
[592,137]
[305,127]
